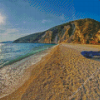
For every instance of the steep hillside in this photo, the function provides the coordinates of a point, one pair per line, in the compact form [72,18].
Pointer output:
[85,31]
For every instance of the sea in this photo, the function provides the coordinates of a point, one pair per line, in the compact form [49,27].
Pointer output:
[13,52]
[15,59]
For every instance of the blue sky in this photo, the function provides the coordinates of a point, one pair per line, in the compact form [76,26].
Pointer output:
[22,17]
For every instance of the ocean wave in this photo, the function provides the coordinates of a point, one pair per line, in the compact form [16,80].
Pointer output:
[1,44]
[11,53]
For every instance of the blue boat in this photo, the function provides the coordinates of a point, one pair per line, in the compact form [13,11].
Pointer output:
[90,54]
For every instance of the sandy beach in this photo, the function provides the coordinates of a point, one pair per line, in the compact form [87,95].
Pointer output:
[62,74]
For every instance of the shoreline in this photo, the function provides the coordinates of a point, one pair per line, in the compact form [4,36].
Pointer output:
[13,74]
[19,58]
[58,75]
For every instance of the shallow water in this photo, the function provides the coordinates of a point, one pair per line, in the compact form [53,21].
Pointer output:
[14,75]
[12,52]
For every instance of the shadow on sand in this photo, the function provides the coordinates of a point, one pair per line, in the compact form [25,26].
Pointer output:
[95,55]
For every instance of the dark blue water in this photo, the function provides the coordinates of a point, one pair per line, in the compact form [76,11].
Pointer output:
[11,52]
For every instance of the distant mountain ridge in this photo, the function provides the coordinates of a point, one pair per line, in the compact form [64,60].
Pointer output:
[6,42]
[85,31]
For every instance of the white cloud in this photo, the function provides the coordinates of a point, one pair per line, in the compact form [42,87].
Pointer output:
[12,30]
[16,24]
[24,22]
[9,35]
[62,17]
[9,31]
[2,19]
[44,21]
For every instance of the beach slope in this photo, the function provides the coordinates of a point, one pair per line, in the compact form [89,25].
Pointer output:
[63,74]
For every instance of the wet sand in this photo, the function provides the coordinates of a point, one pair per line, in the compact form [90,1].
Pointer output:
[15,75]
[63,74]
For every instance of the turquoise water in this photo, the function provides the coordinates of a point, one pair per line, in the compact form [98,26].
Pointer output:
[12,52]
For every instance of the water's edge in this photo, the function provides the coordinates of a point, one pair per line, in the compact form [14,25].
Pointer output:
[13,76]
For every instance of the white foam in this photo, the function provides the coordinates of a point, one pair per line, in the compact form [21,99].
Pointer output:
[12,76]
[1,44]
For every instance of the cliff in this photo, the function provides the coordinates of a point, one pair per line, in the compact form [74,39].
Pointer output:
[85,31]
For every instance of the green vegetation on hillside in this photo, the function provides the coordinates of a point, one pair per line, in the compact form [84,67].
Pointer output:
[78,31]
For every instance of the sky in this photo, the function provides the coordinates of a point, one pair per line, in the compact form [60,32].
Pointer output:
[19,18]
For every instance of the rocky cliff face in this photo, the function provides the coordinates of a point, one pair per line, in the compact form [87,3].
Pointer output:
[85,31]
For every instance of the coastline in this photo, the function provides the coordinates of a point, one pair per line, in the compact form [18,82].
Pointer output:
[15,75]
[59,74]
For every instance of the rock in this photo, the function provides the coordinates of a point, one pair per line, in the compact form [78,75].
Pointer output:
[84,31]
